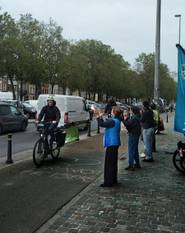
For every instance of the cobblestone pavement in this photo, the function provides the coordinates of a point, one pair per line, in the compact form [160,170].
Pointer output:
[148,200]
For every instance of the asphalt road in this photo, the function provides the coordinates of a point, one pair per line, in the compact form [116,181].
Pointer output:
[29,196]
[21,141]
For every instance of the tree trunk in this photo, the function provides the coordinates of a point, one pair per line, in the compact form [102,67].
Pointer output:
[79,92]
[37,91]
[21,90]
[52,87]
[12,87]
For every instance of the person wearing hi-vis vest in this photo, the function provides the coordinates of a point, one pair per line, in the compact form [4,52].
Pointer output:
[111,143]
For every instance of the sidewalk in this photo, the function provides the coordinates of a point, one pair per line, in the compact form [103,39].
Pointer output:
[150,200]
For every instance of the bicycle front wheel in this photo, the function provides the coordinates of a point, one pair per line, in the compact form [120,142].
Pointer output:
[55,152]
[177,162]
[38,153]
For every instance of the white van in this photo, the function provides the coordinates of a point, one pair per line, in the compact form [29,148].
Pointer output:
[72,109]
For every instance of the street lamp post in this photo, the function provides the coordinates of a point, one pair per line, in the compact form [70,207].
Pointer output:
[179,16]
[157,51]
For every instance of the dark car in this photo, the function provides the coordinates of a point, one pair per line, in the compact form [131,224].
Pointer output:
[29,110]
[11,118]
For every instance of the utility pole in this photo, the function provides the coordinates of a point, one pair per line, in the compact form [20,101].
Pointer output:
[179,16]
[157,51]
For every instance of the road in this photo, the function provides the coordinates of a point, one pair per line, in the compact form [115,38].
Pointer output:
[21,141]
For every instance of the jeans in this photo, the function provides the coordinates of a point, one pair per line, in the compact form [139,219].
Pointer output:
[148,135]
[133,154]
[49,129]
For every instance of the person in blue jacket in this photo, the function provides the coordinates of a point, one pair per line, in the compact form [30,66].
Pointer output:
[111,143]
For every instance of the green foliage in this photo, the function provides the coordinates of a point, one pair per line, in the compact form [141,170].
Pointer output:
[35,52]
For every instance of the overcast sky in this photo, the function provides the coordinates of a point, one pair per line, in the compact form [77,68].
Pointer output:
[128,26]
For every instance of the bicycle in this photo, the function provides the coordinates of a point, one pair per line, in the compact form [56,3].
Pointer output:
[41,150]
[179,157]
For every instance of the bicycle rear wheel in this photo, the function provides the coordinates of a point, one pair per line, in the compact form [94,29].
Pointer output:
[177,162]
[38,153]
[182,163]
[55,151]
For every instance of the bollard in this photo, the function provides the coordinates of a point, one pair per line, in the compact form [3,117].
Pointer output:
[167,117]
[89,128]
[98,129]
[9,151]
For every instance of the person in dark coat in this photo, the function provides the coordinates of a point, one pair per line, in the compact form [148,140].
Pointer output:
[111,143]
[133,127]
[50,114]
[108,108]
[148,125]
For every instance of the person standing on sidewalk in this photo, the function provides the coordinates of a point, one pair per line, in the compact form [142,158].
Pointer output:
[133,127]
[111,143]
[108,108]
[148,125]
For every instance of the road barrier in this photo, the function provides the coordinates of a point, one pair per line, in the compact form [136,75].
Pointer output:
[89,128]
[9,151]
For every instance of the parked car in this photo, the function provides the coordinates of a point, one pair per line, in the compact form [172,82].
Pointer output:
[29,110]
[72,108]
[34,103]
[90,104]
[11,118]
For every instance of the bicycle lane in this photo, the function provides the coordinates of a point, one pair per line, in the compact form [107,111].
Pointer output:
[29,196]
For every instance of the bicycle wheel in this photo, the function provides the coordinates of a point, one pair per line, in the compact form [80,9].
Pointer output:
[177,162]
[55,151]
[182,163]
[38,153]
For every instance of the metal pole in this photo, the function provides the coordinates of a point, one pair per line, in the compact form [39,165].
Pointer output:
[89,128]
[98,127]
[179,16]
[9,151]
[157,51]
[180,29]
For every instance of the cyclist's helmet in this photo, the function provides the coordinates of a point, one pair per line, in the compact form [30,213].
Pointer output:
[51,98]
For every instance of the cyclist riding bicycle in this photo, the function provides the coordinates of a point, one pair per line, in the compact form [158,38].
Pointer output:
[51,117]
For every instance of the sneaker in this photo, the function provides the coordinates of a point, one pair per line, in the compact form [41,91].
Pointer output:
[137,166]
[123,158]
[148,160]
[105,185]
[129,168]
[142,155]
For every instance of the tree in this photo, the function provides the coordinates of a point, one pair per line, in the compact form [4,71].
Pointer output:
[31,58]
[8,46]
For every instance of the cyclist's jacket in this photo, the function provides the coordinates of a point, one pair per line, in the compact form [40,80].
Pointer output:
[50,113]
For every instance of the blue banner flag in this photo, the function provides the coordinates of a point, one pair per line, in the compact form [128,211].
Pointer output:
[179,124]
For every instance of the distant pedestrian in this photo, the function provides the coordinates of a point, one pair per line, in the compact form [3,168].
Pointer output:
[126,113]
[148,124]
[133,127]
[111,143]
[108,108]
